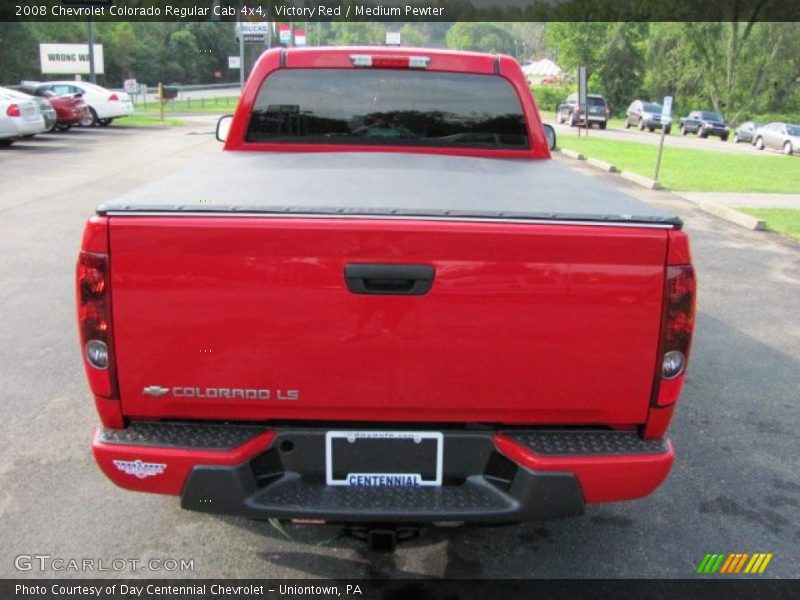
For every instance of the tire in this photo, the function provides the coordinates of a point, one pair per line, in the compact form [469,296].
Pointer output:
[667,130]
[683,130]
[6,143]
[627,123]
[91,120]
[702,134]
[602,124]
[760,143]
[787,149]
[63,127]
[651,129]
[572,122]
[724,138]
[641,124]
[104,122]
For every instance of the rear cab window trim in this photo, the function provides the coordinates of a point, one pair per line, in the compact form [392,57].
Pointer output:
[389,122]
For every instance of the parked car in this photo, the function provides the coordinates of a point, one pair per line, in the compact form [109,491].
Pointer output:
[746,132]
[104,105]
[705,123]
[779,136]
[570,112]
[70,108]
[647,115]
[19,117]
[47,110]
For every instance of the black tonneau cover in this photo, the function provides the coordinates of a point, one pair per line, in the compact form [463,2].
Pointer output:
[387,184]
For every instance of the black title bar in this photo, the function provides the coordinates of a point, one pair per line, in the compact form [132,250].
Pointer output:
[401,10]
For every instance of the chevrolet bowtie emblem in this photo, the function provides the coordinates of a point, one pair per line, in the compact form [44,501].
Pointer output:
[155,390]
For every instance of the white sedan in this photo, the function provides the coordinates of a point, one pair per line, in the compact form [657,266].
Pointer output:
[104,105]
[18,118]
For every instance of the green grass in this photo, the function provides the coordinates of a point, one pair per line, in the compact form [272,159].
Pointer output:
[221,105]
[695,170]
[148,120]
[785,221]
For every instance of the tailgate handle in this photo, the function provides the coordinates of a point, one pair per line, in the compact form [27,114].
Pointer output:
[404,280]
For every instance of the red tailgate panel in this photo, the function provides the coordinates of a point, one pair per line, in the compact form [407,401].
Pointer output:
[525,323]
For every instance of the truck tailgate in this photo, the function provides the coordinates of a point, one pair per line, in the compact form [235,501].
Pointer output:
[250,318]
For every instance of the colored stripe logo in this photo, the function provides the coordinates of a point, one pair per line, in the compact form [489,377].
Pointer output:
[735,562]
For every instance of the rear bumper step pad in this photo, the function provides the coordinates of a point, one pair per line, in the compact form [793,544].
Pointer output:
[194,436]
[507,476]
[585,443]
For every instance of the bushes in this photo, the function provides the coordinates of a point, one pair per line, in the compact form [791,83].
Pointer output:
[548,97]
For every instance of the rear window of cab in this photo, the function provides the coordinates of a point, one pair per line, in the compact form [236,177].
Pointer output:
[388,107]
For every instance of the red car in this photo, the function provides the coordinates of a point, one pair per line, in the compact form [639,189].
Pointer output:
[385,304]
[70,109]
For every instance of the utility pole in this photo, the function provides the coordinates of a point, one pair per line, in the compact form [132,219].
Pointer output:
[90,33]
[666,117]
[241,57]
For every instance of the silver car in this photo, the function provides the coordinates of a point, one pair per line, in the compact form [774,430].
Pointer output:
[779,136]
[48,112]
[18,118]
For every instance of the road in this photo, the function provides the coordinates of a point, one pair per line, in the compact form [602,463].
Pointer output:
[735,486]
[674,139]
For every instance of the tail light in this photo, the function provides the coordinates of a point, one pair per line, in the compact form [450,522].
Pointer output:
[113,98]
[390,62]
[94,321]
[676,332]
[13,110]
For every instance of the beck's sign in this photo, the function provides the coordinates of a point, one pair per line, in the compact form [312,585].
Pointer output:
[69,59]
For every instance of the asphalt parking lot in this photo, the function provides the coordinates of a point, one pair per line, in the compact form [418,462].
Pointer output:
[735,486]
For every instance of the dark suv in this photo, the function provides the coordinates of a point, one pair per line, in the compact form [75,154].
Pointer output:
[570,112]
[705,123]
[647,115]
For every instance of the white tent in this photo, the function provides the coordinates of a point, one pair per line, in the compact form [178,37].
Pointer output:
[542,68]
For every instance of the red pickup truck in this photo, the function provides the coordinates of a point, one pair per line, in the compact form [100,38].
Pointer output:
[385,303]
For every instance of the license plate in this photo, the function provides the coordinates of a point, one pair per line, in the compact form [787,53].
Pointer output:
[383,458]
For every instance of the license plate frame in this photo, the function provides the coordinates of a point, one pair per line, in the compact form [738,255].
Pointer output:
[389,477]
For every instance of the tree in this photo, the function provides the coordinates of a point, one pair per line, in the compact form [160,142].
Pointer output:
[620,68]
[352,33]
[485,37]
[739,69]
[182,57]
[576,44]
[411,36]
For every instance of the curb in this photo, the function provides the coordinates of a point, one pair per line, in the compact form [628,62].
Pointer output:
[645,182]
[641,180]
[602,165]
[729,214]
[572,154]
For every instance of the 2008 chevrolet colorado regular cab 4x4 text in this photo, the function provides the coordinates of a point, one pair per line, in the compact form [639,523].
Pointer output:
[384,302]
